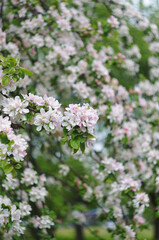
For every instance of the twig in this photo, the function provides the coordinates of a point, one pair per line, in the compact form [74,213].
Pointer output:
[94,233]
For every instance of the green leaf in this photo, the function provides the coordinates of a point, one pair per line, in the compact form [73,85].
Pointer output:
[29,116]
[18,166]
[82,147]
[18,61]
[5,71]
[3,163]
[2,59]
[14,173]
[69,143]
[75,143]
[11,60]
[75,134]
[82,139]
[22,75]
[8,168]
[15,78]
[157,214]
[6,206]
[63,140]
[10,144]
[109,180]
[4,139]
[65,131]
[12,70]
[5,80]
[75,150]
[89,135]
[26,71]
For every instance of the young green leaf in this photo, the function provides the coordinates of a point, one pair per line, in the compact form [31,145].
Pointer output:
[75,143]
[8,168]
[5,80]
[82,147]
[63,140]
[90,135]
[26,71]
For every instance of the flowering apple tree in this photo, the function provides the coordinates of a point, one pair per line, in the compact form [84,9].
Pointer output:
[65,71]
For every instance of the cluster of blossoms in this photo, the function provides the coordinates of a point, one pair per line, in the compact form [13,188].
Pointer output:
[79,217]
[33,191]
[113,21]
[11,145]
[117,113]
[85,117]
[10,213]
[43,222]
[64,169]
[15,108]
[49,115]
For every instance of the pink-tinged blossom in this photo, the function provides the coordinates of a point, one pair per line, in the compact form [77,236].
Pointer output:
[113,21]
[2,38]
[25,209]
[48,120]
[141,199]
[31,98]
[139,219]
[12,48]
[131,66]
[10,214]
[111,165]
[84,117]
[82,89]
[130,128]
[98,192]
[52,102]
[15,108]
[29,177]
[82,65]
[37,194]
[10,182]
[37,41]
[99,68]
[108,93]
[130,233]
[5,125]
[116,114]
[127,182]
[78,216]
[64,170]
[19,145]
[15,213]
[153,156]
[134,52]
[32,24]
[42,222]
[88,193]
[22,12]
[19,148]
[122,93]
[63,24]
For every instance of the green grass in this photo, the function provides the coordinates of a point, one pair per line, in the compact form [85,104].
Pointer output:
[69,234]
